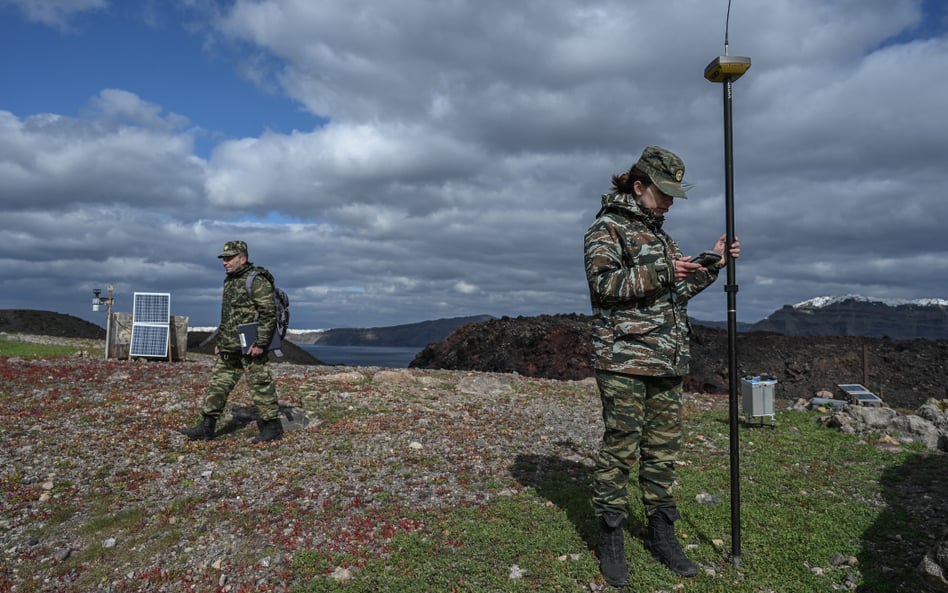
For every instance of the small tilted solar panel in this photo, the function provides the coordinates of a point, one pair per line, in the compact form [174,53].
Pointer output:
[860,394]
[151,324]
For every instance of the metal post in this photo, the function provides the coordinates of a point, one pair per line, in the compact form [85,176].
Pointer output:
[731,289]
[726,69]
[108,322]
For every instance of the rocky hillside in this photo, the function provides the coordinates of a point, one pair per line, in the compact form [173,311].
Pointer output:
[550,346]
[48,323]
[904,372]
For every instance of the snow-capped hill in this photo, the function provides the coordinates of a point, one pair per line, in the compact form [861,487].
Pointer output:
[826,301]
[854,315]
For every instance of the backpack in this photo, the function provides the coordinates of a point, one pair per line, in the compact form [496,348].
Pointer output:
[282,302]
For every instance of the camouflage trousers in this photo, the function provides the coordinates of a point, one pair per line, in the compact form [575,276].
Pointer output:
[642,418]
[226,374]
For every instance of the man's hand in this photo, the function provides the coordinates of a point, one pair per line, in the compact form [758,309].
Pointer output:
[255,351]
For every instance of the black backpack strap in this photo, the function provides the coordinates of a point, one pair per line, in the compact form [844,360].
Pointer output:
[250,278]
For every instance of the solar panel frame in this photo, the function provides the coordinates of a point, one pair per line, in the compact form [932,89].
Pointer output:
[860,394]
[151,324]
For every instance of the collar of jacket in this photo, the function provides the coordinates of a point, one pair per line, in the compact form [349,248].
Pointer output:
[627,205]
[240,271]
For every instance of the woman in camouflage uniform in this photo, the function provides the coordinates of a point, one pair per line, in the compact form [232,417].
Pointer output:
[639,285]
[239,307]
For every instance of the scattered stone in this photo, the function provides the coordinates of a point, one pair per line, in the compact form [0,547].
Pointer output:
[487,385]
[344,377]
[516,573]
[400,376]
[934,566]
[929,426]
[839,560]
[707,499]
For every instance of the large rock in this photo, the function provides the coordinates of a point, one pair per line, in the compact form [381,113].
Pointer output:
[934,566]
[928,426]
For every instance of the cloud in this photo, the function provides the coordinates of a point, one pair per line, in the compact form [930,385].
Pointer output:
[459,150]
[54,13]
[121,152]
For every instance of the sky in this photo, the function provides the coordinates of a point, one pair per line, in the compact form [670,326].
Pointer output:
[399,161]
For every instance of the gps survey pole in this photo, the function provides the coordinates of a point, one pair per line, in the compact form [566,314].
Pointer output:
[726,69]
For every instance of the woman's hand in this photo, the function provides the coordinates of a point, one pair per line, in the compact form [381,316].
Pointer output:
[735,250]
[684,267]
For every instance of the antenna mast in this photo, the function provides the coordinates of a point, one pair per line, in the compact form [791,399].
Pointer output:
[726,69]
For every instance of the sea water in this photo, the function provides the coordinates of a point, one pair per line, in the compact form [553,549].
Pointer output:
[363,356]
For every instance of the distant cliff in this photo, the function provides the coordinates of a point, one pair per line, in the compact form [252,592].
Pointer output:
[404,336]
[859,316]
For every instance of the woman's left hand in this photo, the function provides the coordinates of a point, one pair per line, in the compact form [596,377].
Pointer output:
[735,250]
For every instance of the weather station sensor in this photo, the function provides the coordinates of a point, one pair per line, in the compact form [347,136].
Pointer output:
[97,301]
[725,67]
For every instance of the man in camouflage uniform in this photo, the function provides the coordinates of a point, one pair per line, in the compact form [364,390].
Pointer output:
[639,286]
[239,307]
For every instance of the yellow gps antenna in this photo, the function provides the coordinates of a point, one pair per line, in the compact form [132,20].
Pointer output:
[726,69]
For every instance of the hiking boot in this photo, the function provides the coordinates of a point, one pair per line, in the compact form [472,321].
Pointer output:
[663,544]
[611,550]
[272,431]
[202,431]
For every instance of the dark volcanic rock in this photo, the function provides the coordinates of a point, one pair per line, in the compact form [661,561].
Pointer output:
[551,346]
[905,373]
[47,323]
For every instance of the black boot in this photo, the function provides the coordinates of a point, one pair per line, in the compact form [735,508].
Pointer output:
[272,431]
[663,544]
[611,550]
[202,431]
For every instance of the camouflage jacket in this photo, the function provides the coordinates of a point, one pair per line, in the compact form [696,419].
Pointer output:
[238,307]
[640,313]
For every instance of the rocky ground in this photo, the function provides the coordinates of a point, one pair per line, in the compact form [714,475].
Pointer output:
[100,493]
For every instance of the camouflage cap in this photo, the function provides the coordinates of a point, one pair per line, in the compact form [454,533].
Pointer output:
[665,170]
[232,248]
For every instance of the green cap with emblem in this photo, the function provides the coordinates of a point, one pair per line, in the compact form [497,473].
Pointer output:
[665,170]
[232,248]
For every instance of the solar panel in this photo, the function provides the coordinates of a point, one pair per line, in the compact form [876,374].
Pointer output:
[151,324]
[860,394]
